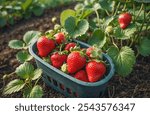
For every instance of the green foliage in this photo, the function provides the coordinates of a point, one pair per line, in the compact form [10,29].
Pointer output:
[76,28]
[36,92]
[98,38]
[16,44]
[12,11]
[25,70]
[124,59]
[14,86]
[23,56]
[28,76]
[65,14]
[144,47]
[105,30]
[30,36]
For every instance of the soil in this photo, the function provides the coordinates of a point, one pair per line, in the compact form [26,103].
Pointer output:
[137,84]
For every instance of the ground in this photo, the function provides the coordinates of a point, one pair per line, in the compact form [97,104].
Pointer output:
[137,84]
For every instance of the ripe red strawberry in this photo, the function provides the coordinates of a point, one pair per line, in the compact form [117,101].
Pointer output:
[89,51]
[81,75]
[70,45]
[60,38]
[45,46]
[75,62]
[95,71]
[124,20]
[58,59]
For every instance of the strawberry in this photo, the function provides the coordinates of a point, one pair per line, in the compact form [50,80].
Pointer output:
[81,75]
[94,52]
[124,20]
[58,59]
[60,38]
[95,71]
[75,62]
[45,46]
[69,46]
[89,51]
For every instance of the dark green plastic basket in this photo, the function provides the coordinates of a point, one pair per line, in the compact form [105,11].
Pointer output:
[68,85]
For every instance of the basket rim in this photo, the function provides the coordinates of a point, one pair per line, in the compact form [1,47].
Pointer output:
[98,83]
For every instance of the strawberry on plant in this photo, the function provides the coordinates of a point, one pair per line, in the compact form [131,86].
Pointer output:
[60,38]
[57,59]
[69,46]
[81,75]
[45,46]
[95,70]
[75,61]
[124,20]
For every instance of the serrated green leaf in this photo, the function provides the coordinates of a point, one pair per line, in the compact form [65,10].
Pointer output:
[26,92]
[14,86]
[118,33]
[76,28]
[23,56]
[29,36]
[25,70]
[37,74]
[98,38]
[16,44]
[124,59]
[144,47]
[107,5]
[38,10]
[36,92]
[86,13]
[130,30]
[65,14]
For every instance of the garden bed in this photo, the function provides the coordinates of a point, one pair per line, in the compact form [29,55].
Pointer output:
[135,85]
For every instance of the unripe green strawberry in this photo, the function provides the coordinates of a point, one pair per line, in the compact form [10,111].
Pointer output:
[95,71]
[109,29]
[45,46]
[75,62]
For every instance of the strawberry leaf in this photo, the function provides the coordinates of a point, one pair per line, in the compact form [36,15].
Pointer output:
[76,28]
[38,10]
[98,38]
[126,33]
[65,14]
[29,36]
[36,92]
[23,56]
[16,44]
[124,59]
[144,47]
[25,70]
[37,74]
[26,92]
[14,86]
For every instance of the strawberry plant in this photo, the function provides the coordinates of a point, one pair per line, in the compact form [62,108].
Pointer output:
[11,11]
[119,28]
[27,75]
